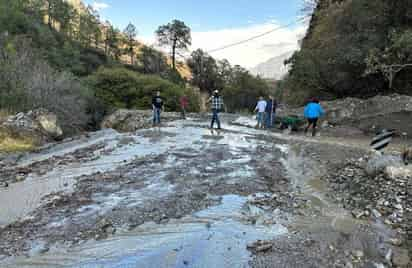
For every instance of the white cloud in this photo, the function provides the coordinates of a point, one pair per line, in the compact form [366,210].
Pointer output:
[98,6]
[254,52]
[249,54]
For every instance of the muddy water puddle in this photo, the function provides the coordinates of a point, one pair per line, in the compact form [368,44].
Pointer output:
[215,237]
[305,174]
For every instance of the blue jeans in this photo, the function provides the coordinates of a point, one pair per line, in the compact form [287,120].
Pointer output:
[215,118]
[156,116]
[269,119]
[260,117]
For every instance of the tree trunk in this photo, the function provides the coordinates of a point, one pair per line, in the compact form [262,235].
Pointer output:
[174,55]
[49,19]
[174,52]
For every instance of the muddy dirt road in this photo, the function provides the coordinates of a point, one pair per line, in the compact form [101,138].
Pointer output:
[182,196]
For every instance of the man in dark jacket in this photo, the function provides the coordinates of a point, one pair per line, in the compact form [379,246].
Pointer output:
[157,105]
[270,111]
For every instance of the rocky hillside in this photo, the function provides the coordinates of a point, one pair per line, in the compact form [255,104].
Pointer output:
[349,50]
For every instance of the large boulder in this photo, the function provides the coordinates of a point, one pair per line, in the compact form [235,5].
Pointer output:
[376,163]
[124,120]
[38,125]
[390,112]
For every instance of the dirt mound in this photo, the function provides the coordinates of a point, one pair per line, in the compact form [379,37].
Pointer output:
[393,111]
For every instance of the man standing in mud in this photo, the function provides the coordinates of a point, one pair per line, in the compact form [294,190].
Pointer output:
[183,105]
[270,112]
[260,108]
[313,111]
[157,105]
[217,104]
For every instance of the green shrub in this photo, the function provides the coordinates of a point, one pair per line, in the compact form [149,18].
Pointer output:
[123,88]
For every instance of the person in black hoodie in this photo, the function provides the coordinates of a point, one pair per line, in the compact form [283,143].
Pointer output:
[270,112]
[157,105]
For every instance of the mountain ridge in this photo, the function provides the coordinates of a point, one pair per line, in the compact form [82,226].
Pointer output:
[273,68]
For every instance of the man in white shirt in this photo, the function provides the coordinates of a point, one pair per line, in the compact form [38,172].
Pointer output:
[260,108]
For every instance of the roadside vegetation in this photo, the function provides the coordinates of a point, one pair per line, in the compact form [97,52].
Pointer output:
[50,51]
[65,59]
[240,89]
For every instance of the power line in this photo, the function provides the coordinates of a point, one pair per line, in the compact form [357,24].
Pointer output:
[254,37]
[247,40]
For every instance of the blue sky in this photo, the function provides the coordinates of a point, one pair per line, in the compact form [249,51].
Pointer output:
[214,23]
[199,15]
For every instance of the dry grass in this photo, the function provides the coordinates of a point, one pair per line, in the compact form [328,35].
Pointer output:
[3,115]
[10,143]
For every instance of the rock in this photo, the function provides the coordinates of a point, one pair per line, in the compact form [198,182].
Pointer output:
[376,213]
[39,125]
[400,257]
[110,230]
[377,164]
[260,246]
[20,178]
[106,226]
[48,123]
[358,254]
[358,213]
[38,248]
[395,241]
[398,206]
[131,120]
[392,172]
[325,124]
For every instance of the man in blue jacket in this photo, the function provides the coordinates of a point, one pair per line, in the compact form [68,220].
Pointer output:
[312,112]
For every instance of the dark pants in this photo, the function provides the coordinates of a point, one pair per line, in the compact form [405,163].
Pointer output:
[215,118]
[312,122]
[183,112]
[269,119]
[156,116]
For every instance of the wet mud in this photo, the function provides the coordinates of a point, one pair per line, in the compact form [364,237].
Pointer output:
[182,196]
